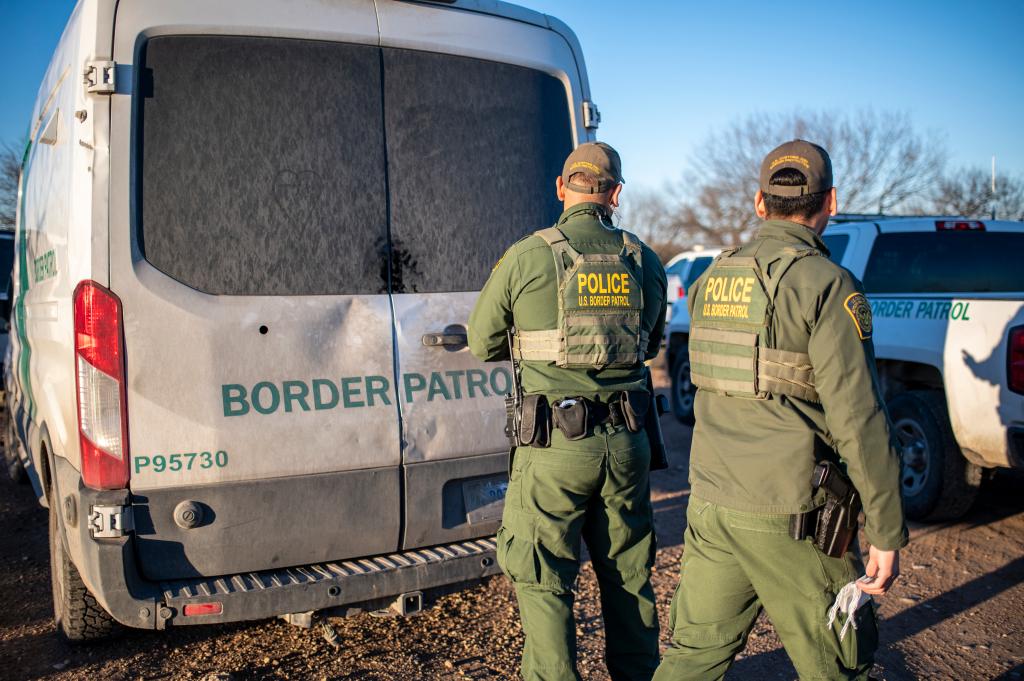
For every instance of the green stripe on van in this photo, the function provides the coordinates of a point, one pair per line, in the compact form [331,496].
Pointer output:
[25,353]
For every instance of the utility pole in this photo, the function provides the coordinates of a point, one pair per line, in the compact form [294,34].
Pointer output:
[993,186]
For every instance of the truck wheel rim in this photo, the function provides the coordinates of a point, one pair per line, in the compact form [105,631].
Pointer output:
[684,387]
[915,455]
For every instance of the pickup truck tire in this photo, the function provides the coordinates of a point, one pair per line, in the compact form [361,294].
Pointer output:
[683,390]
[79,618]
[937,482]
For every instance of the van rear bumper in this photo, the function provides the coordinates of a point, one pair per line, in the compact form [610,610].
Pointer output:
[362,583]
[109,568]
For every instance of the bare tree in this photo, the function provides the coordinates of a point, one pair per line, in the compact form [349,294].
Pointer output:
[10,169]
[650,215]
[968,192]
[881,164]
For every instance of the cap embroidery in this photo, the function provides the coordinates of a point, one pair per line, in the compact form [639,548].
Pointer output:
[585,164]
[790,159]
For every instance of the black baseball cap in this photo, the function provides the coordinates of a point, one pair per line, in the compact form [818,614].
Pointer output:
[809,158]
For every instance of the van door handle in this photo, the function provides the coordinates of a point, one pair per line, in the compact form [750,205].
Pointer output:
[432,340]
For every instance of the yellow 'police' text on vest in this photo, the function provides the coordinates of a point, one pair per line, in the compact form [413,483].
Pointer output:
[728,296]
[603,290]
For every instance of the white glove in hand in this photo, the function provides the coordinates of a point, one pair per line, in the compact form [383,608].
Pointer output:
[848,600]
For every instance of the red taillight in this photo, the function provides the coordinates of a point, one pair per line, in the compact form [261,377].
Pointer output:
[99,379]
[681,293]
[1015,360]
[959,225]
[193,609]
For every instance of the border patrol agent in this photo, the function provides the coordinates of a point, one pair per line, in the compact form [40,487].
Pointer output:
[780,349]
[587,302]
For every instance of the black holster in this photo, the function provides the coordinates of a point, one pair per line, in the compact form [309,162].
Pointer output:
[634,406]
[652,424]
[535,422]
[573,420]
[832,526]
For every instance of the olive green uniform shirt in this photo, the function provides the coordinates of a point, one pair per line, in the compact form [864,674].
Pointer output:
[522,291]
[758,455]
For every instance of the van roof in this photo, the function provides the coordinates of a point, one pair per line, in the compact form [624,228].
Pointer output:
[517,13]
[495,7]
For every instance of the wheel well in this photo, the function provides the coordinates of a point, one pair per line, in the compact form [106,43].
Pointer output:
[897,376]
[45,476]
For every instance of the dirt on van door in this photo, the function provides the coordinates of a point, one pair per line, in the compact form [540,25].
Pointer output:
[956,613]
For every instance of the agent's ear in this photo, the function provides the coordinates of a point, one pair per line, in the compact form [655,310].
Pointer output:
[560,188]
[759,208]
[613,197]
[834,207]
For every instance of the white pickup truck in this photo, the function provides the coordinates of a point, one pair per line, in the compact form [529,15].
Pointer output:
[947,295]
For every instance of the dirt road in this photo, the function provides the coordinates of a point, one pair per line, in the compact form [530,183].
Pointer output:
[957,613]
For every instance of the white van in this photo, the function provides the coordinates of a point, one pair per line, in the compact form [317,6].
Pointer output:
[249,238]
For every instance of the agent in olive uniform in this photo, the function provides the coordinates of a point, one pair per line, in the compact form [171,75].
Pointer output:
[780,348]
[582,342]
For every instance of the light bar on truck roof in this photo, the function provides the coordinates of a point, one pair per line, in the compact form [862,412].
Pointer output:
[960,226]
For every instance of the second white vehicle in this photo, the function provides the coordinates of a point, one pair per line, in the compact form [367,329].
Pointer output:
[683,269]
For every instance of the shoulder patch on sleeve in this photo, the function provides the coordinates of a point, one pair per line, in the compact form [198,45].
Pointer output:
[860,312]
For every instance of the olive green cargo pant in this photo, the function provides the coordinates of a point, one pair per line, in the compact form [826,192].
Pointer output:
[734,564]
[596,489]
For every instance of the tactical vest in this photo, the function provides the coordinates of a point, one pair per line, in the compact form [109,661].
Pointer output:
[600,301]
[731,350]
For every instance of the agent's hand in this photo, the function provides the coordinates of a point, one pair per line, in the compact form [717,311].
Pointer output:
[882,570]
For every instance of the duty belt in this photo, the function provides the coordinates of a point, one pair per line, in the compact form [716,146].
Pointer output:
[601,413]
[576,417]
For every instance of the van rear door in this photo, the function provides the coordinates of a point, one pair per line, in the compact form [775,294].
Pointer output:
[479,119]
[248,246]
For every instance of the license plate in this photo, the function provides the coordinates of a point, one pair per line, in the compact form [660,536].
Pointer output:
[484,498]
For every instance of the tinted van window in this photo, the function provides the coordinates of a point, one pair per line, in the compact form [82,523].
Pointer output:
[474,148]
[260,165]
[945,262]
[836,244]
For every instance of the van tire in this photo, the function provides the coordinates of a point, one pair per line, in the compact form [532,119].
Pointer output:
[937,482]
[77,614]
[684,392]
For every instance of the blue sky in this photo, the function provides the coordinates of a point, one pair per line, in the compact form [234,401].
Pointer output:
[666,74]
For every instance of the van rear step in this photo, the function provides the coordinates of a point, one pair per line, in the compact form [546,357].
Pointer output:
[324,586]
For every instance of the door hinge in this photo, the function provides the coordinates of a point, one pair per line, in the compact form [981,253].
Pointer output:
[100,77]
[591,115]
[106,522]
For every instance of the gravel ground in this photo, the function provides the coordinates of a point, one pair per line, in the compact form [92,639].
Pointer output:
[957,613]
